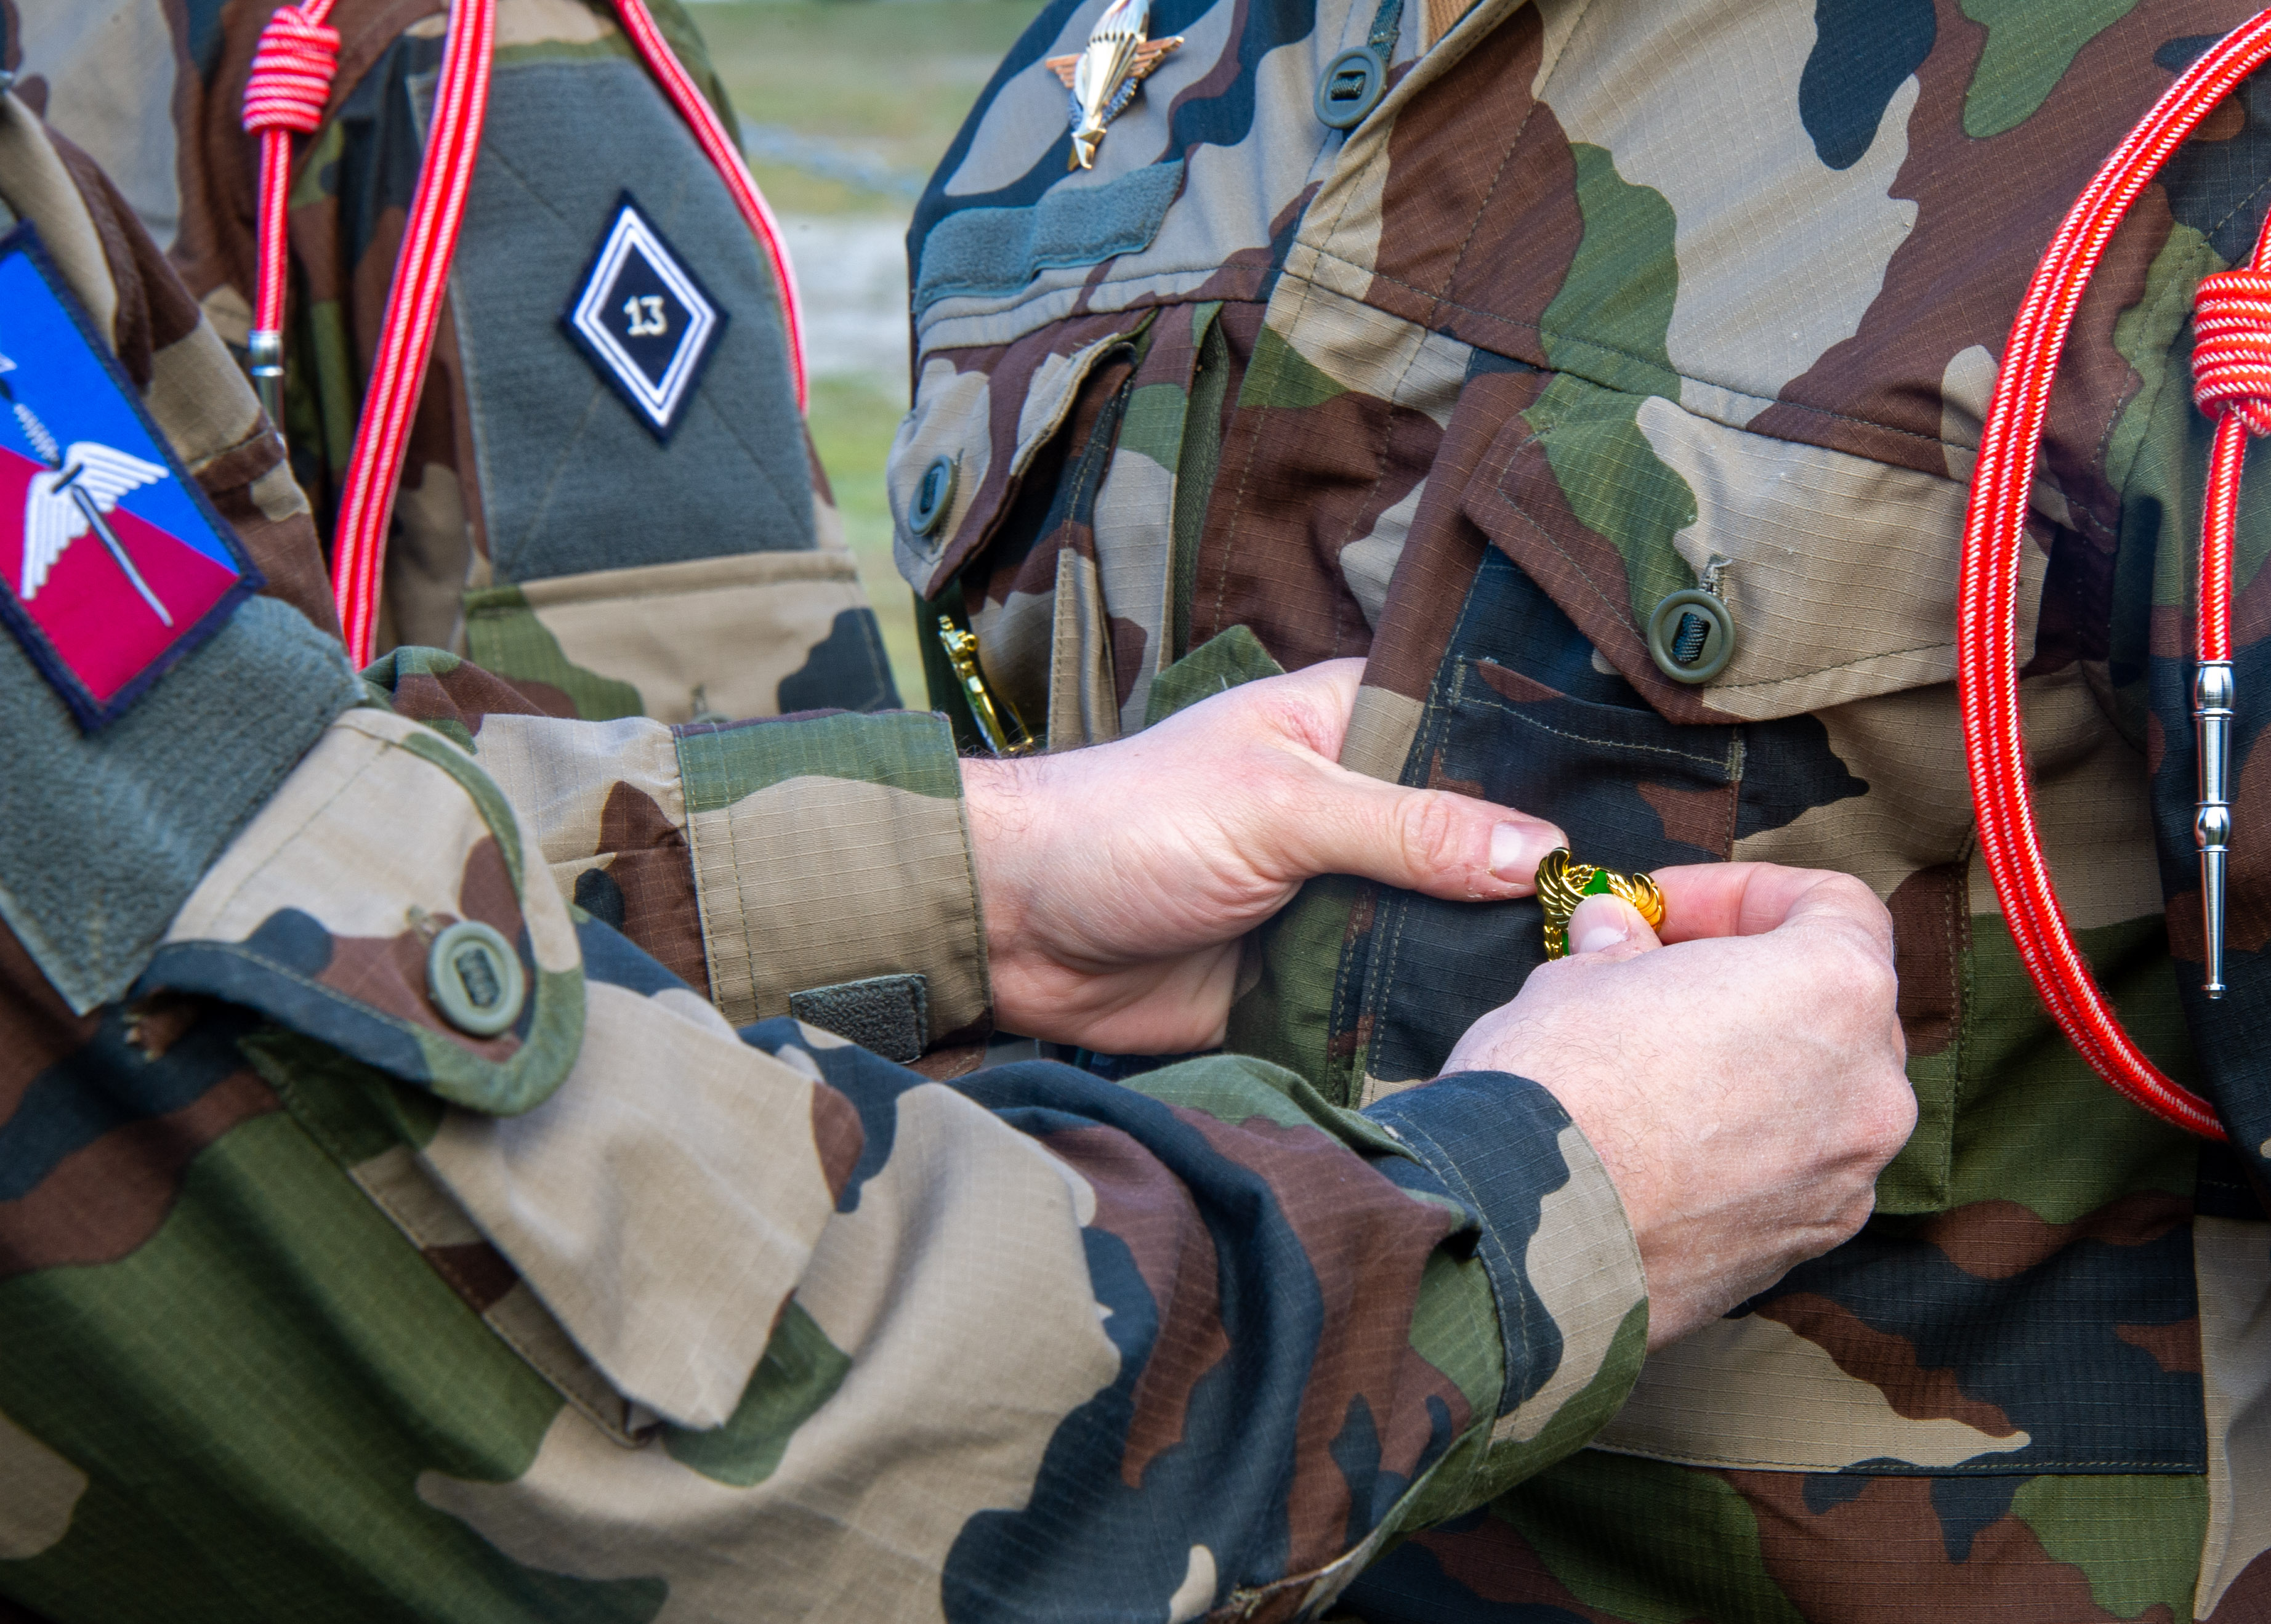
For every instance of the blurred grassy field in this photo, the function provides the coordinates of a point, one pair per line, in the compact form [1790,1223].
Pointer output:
[888,78]
[890,81]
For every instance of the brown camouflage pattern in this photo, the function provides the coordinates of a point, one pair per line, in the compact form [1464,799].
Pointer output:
[1596,296]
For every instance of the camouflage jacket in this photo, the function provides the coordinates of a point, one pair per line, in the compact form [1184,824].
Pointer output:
[351,1268]
[542,526]
[1596,296]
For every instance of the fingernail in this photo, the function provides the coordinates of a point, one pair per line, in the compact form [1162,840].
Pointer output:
[1516,849]
[1599,923]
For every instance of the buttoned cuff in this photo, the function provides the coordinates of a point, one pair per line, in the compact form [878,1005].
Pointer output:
[833,867]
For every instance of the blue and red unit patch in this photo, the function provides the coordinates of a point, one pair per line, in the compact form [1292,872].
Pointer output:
[112,564]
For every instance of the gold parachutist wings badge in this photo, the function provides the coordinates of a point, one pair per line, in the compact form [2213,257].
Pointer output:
[1104,77]
[1563,883]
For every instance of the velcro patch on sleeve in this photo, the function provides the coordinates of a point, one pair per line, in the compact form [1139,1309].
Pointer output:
[112,564]
[886,1015]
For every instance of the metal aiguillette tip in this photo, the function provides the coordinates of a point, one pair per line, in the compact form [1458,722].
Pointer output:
[2212,695]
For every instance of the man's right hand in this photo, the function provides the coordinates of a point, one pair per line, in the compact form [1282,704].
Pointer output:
[1741,1079]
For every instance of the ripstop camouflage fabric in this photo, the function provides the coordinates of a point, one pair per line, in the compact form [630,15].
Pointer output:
[621,1313]
[317,1302]
[540,528]
[1599,294]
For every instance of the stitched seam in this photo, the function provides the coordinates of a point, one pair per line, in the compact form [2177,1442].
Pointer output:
[1960,913]
[505,166]
[1528,720]
[694,865]
[1246,471]
[385,744]
[2007,1464]
[1379,466]
[1735,763]
[541,511]
[1446,1166]
[2233,212]
[977,917]
[1182,295]
[1381,976]
[237,949]
[1618,611]
[1952,937]
[835,574]
[2150,408]
[742,923]
[1474,223]
[545,1367]
[1815,671]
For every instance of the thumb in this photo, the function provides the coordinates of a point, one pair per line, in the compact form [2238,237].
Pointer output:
[1427,840]
[1606,924]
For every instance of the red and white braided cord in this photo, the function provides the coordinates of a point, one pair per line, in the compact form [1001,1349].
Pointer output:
[718,146]
[413,306]
[292,71]
[292,74]
[2231,381]
[1987,666]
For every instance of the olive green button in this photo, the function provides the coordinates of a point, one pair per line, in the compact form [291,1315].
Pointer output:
[933,496]
[1691,636]
[475,977]
[1351,86]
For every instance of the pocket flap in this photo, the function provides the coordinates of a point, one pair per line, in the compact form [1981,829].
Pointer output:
[1841,570]
[984,412]
[328,911]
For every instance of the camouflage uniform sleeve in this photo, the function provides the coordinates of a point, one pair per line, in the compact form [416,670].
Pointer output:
[609,559]
[170,352]
[816,864]
[613,1310]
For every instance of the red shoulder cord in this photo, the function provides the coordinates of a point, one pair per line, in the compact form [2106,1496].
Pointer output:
[2231,364]
[291,84]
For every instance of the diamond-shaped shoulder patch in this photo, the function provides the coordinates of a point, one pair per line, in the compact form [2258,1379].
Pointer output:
[644,320]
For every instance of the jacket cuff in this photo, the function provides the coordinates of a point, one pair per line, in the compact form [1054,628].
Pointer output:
[832,867]
[1563,1265]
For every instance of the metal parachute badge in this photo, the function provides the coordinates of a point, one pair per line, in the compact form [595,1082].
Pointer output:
[1104,76]
[112,564]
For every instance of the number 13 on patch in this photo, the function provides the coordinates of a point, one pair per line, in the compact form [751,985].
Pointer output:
[644,320]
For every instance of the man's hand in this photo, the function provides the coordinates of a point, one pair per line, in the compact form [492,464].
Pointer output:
[1117,880]
[1743,1084]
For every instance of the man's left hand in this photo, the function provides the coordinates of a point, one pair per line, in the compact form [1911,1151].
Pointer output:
[1117,880]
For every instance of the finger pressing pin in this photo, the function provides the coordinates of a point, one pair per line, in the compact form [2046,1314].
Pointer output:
[1563,883]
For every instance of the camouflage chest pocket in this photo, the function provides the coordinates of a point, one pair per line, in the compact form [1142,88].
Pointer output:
[1838,574]
[1048,492]
[1636,791]
[1829,742]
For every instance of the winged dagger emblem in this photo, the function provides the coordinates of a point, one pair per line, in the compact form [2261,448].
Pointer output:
[1105,75]
[69,497]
